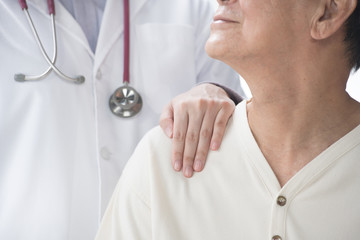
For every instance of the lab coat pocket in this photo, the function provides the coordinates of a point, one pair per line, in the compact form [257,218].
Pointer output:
[166,62]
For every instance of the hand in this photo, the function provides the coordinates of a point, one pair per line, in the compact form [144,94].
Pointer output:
[196,121]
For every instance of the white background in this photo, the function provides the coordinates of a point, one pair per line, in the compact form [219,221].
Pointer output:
[353,86]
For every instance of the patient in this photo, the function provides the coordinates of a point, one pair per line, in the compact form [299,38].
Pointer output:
[289,165]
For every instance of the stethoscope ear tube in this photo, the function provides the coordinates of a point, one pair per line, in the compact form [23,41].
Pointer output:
[20,77]
[23,4]
[51,5]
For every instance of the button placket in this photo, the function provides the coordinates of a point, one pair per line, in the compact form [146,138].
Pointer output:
[278,217]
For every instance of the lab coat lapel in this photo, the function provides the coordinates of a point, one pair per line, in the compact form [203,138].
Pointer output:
[112,26]
[67,22]
[64,21]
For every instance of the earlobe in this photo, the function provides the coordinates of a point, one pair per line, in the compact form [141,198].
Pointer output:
[329,18]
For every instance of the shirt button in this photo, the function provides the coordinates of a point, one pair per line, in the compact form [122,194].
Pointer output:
[105,153]
[98,75]
[281,201]
[276,237]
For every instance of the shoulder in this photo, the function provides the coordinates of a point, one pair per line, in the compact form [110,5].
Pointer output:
[149,168]
[154,144]
[153,149]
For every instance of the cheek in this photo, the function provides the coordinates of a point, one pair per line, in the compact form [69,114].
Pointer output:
[252,8]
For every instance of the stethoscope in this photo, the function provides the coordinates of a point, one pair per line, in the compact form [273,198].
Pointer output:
[125,101]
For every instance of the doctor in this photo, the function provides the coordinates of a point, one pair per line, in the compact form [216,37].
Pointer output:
[61,148]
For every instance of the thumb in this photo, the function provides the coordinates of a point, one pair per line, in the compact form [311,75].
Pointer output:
[167,120]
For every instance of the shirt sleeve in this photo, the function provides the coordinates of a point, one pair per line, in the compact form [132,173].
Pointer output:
[234,96]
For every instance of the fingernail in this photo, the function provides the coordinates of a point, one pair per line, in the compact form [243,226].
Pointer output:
[188,171]
[168,131]
[197,165]
[177,165]
[214,146]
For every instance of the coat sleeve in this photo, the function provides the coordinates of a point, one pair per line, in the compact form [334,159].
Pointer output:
[128,215]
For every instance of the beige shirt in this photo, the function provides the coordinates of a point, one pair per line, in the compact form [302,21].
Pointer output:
[237,194]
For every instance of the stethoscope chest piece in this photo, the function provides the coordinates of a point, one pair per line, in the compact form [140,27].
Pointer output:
[125,102]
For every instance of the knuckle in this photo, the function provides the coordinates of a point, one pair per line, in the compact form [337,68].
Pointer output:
[228,105]
[179,105]
[201,155]
[205,133]
[211,103]
[177,155]
[188,160]
[179,136]
[191,137]
[182,105]
[220,123]
[201,102]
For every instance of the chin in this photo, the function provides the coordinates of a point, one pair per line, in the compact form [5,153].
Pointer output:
[214,48]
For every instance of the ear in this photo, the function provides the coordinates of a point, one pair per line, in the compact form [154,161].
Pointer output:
[330,16]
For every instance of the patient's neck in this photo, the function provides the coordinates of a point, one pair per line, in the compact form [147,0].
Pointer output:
[294,117]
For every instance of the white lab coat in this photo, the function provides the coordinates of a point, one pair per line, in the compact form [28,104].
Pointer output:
[61,149]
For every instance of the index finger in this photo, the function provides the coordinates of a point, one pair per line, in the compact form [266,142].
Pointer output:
[178,142]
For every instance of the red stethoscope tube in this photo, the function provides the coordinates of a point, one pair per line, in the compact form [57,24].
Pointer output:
[23,4]
[51,5]
[126,76]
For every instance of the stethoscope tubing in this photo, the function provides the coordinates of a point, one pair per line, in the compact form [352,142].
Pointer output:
[125,101]
[22,77]
[77,79]
[126,75]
